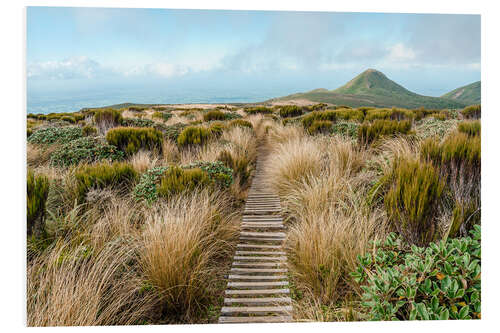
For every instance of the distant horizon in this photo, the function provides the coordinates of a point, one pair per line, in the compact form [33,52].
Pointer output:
[93,55]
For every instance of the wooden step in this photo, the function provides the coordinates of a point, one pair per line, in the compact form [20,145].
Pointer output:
[261,300]
[257,264]
[259,253]
[243,270]
[256,309]
[257,291]
[257,284]
[263,234]
[260,319]
[257,277]
[258,246]
[253,239]
[266,258]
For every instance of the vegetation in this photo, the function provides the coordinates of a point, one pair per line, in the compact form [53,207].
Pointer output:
[193,135]
[107,118]
[369,133]
[130,140]
[240,122]
[472,112]
[177,180]
[469,94]
[438,282]
[52,135]
[471,128]
[259,109]
[290,111]
[320,126]
[38,190]
[214,115]
[138,122]
[89,130]
[87,149]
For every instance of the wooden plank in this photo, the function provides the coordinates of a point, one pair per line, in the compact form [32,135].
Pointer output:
[256,277]
[257,264]
[267,258]
[260,319]
[256,309]
[264,234]
[261,300]
[257,291]
[243,270]
[260,253]
[253,239]
[258,246]
[258,284]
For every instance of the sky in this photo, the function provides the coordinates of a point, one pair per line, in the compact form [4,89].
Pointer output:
[248,54]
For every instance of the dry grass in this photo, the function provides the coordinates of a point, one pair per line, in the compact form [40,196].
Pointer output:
[143,160]
[181,244]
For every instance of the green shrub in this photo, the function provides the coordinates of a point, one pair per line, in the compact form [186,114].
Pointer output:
[309,118]
[472,112]
[316,107]
[217,128]
[346,129]
[146,188]
[193,135]
[214,115]
[369,133]
[29,131]
[172,132]
[438,282]
[471,128]
[138,122]
[131,139]
[165,116]
[51,135]
[320,126]
[69,119]
[137,108]
[103,175]
[349,114]
[108,117]
[89,130]
[457,151]
[37,193]
[86,149]
[240,166]
[240,123]
[412,200]
[389,114]
[430,127]
[233,115]
[177,180]
[220,174]
[290,111]
[258,109]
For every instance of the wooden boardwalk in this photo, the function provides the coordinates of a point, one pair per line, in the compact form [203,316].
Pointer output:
[257,289]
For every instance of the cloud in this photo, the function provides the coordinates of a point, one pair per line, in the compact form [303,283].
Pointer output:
[400,53]
[72,68]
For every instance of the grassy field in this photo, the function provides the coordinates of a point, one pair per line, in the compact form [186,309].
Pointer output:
[134,212]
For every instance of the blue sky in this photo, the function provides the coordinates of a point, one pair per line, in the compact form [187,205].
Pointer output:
[83,49]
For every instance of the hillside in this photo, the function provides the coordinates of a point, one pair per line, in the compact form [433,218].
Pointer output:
[469,94]
[373,88]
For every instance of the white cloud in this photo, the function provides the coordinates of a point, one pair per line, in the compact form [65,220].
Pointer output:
[400,53]
[77,67]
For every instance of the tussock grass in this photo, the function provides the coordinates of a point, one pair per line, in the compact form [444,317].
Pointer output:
[472,112]
[131,140]
[471,128]
[370,133]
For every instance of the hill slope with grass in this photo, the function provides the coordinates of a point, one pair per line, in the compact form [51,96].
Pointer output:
[469,94]
[373,88]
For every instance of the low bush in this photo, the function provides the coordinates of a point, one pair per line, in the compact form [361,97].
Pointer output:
[216,128]
[107,118]
[349,114]
[214,115]
[131,140]
[69,119]
[165,116]
[138,122]
[172,132]
[346,129]
[99,176]
[412,200]
[146,188]
[86,149]
[258,109]
[290,111]
[240,123]
[472,112]
[389,114]
[137,108]
[430,127]
[89,130]
[320,126]
[471,128]
[308,119]
[218,173]
[439,282]
[59,135]
[233,115]
[37,194]
[369,133]
[240,166]
[193,135]
[177,180]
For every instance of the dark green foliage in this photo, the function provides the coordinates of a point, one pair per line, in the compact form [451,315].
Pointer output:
[130,140]
[320,126]
[177,180]
[412,200]
[369,133]
[389,114]
[29,131]
[233,115]
[99,176]
[89,130]
[137,108]
[349,114]
[217,128]
[138,122]
[172,132]
[258,109]
[214,115]
[240,166]
[220,174]
[472,112]
[51,135]
[108,117]
[193,135]
[86,149]
[165,116]
[346,129]
[37,193]
[290,111]
[69,119]
[146,188]
[438,282]
[309,118]
[471,128]
[240,123]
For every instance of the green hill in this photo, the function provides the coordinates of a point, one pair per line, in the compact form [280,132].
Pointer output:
[469,94]
[373,88]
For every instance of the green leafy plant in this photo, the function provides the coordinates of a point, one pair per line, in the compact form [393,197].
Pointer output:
[86,149]
[59,135]
[146,187]
[37,194]
[138,122]
[172,132]
[214,115]
[177,180]
[345,129]
[193,135]
[217,171]
[290,111]
[130,140]
[370,133]
[99,176]
[89,130]
[441,281]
